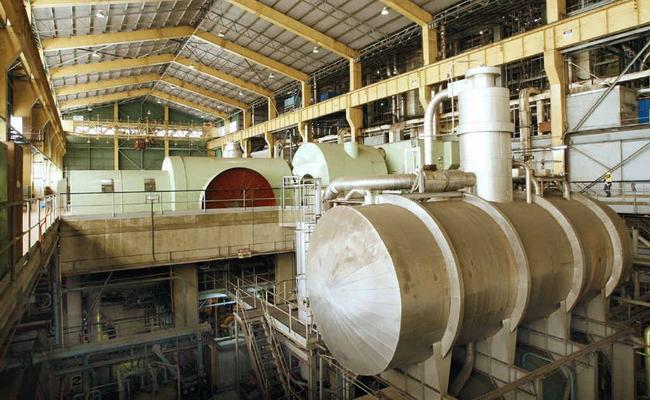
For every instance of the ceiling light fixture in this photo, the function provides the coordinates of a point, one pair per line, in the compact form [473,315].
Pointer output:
[100,14]
[241,93]
[90,108]
[191,66]
[271,76]
[96,54]
[384,11]
[315,49]
[221,34]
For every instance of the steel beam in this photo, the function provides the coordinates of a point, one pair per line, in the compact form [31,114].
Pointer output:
[78,3]
[20,30]
[106,84]
[609,19]
[205,92]
[113,38]
[107,98]
[555,10]
[187,103]
[253,56]
[113,65]
[556,73]
[410,10]
[296,27]
[222,76]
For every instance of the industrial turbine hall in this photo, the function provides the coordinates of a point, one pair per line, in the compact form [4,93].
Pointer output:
[324,199]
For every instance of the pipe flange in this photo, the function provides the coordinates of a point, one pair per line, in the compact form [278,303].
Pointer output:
[521,260]
[456,287]
[577,250]
[618,263]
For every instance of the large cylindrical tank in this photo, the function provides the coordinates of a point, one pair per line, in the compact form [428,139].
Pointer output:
[485,132]
[107,192]
[452,271]
[329,161]
[191,176]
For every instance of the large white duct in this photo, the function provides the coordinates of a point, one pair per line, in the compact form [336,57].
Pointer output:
[485,132]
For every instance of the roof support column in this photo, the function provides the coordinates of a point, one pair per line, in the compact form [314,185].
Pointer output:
[270,142]
[305,131]
[555,70]
[429,44]
[8,54]
[430,56]
[166,122]
[24,98]
[273,110]
[247,118]
[555,10]
[116,140]
[306,93]
[4,102]
[247,147]
[354,115]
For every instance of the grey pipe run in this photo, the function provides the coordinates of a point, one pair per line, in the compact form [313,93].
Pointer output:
[525,121]
[531,181]
[434,182]
[431,117]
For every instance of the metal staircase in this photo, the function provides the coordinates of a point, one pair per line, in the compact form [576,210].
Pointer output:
[266,356]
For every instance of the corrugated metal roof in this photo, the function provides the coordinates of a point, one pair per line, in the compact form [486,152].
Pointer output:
[357,24]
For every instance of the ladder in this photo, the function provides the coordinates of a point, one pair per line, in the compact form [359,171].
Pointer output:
[266,356]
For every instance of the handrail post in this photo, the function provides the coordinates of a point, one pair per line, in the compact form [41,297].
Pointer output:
[29,224]
[40,226]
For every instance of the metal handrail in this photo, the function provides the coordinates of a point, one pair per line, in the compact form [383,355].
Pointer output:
[292,320]
[16,240]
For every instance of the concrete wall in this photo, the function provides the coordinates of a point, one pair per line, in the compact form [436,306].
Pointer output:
[103,244]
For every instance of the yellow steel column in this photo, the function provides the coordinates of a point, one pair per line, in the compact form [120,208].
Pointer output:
[306,91]
[355,75]
[354,115]
[305,131]
[273,110]
[555,10]
[556,72]
[246,146]
[166,122]
[429,44]
[430,56]
[7,56]
[270,142]
[247,122]
[248,118]
[4,101]
[116,140]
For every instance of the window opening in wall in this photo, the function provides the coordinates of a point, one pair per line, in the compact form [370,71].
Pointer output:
[107,186]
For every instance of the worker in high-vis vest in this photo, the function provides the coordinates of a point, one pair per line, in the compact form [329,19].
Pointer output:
[608,184]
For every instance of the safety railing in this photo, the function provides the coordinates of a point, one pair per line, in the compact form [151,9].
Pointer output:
[23,224]
[104,328]
[138,129]
[266,295]
[163,201]
[630,189]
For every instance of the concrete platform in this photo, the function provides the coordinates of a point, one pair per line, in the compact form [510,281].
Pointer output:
[106,243]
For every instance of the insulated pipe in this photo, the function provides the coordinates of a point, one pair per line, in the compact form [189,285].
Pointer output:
[525,121]
[379,182]
[434,182]
[431,125]
[531,182]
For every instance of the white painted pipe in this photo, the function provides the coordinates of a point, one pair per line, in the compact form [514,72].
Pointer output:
[431,125]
